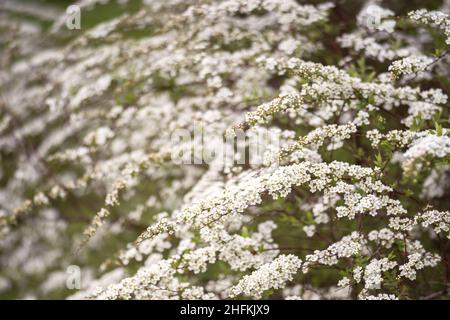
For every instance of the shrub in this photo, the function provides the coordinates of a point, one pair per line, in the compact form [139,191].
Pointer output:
[226,149]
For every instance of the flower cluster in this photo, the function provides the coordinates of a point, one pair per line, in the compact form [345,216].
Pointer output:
[434,18]
[438,220]
[272,275]
[408,65]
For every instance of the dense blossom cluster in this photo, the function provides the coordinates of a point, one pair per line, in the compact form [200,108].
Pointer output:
[272,275]
[437,19]
[344,105]
[411,64]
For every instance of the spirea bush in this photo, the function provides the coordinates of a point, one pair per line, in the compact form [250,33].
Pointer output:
[184,149]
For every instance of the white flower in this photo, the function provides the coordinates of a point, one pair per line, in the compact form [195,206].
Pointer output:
[309,230]
[272,275]
[408,65]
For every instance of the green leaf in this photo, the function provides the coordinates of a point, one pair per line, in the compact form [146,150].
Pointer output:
[244,232]
[438,127]
[378,160]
